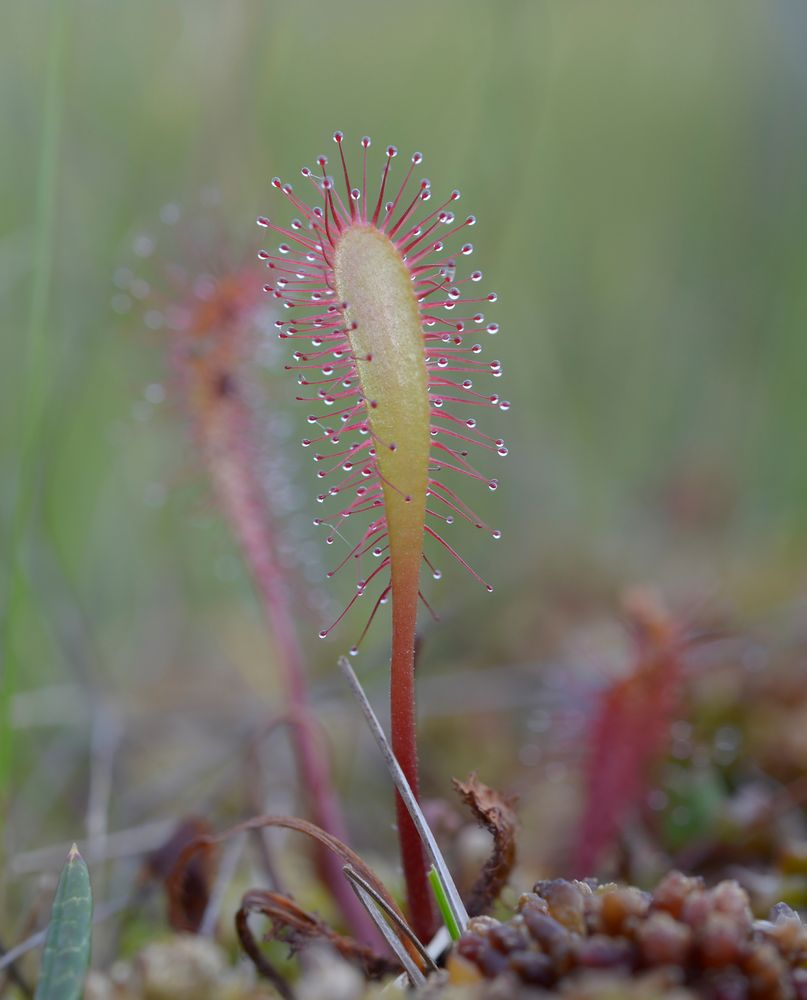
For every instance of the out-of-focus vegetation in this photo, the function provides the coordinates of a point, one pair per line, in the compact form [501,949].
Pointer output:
[638,172]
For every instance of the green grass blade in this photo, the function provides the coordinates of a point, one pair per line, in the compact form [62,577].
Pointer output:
[67,946]
[443,904]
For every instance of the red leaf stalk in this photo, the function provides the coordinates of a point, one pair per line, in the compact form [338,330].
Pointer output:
[404,746]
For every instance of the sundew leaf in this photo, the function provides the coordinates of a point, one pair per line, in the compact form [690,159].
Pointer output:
[67,945]
[374,292]
[630,730]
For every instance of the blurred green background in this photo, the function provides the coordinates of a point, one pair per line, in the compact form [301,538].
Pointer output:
[638,173]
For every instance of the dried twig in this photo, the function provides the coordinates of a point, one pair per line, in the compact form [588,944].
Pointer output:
[382,916]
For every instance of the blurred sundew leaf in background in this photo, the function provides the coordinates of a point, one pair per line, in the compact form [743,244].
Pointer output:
[67,946]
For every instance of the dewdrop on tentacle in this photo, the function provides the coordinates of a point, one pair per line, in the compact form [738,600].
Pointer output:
[381,320]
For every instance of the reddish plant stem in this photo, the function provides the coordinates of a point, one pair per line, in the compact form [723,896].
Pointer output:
[316,777]
[422,914]
[240,496]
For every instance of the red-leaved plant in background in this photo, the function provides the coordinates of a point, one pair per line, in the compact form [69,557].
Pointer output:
[213,322]
[385,322]
[630,730]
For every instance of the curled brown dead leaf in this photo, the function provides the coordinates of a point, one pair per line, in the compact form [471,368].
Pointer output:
[189,894]
[496,813]
[298,928]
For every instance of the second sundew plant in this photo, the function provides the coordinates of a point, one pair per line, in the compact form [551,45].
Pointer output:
[383,324]
[212,325]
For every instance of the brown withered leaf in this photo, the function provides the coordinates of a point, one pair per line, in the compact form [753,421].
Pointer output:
[297,927]
[496,813]
[188,896]
[206,843]
[252,948]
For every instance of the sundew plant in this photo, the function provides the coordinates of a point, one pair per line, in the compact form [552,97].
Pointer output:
[384,331]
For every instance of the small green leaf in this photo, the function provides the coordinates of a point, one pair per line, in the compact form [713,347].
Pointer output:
[67,945]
